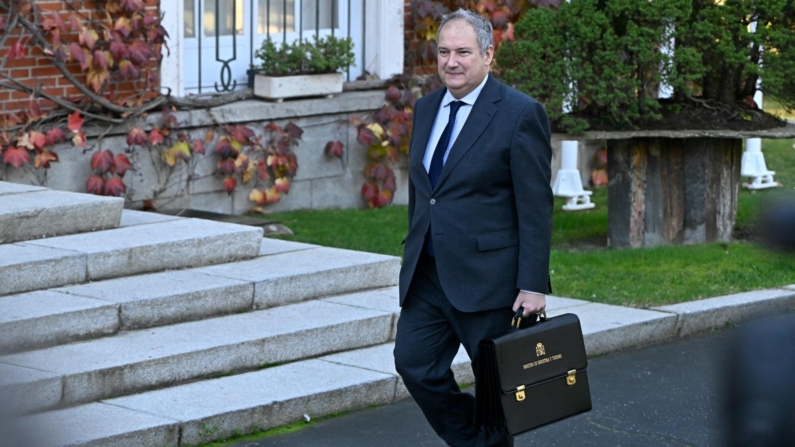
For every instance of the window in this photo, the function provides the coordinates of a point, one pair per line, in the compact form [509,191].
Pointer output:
[219,61]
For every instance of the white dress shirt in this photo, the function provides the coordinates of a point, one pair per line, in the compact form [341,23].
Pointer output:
[443,115]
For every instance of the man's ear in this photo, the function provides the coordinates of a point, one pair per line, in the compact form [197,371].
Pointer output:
[489,54]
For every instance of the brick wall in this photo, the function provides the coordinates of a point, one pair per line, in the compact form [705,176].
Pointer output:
[413,64]
[35,69]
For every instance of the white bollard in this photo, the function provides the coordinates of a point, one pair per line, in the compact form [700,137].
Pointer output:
[753,163]
[568,183]
[754,166]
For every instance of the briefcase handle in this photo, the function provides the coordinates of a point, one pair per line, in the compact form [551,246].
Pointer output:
[516,321]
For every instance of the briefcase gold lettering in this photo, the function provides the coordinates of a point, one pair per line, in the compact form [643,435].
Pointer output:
[539,350]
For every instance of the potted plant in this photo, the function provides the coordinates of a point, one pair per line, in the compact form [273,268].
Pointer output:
[303,68]
[670,85]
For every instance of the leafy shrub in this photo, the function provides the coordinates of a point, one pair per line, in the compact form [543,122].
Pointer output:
[607,58]
[324,55]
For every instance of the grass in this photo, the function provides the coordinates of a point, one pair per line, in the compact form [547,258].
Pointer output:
[640,277]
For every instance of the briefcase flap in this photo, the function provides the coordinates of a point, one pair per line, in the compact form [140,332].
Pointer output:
[549,349]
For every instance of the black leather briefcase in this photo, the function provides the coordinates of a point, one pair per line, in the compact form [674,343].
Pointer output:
[531,377]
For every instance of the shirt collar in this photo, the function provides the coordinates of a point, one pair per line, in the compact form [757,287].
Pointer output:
[468,99]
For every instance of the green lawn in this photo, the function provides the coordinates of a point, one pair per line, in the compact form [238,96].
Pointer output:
[640,277]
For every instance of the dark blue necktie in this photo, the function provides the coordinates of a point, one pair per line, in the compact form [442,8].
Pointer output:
[437,161]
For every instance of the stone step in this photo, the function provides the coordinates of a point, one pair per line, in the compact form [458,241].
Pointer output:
[52,262]
[40,319]
[31,212]
[216,409]
[139,360]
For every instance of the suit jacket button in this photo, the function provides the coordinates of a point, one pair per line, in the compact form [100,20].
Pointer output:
[433,201]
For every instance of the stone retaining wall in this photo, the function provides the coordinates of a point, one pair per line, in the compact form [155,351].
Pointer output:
[321,181]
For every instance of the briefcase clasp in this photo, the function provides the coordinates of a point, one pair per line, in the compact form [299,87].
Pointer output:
[571,378]
[520,393]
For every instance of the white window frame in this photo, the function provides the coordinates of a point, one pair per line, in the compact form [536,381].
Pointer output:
[383,43]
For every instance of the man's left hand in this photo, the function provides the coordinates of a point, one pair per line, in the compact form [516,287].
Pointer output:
[531,302]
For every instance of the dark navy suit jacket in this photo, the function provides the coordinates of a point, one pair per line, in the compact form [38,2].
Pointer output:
[491,210]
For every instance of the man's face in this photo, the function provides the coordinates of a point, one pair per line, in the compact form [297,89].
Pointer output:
[461,66]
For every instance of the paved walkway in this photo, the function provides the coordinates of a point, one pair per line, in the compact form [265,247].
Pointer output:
[665,395]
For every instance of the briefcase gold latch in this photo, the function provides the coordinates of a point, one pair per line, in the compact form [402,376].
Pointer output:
[520,393]
[571,378]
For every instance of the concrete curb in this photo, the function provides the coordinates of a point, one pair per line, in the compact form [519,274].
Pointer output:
[715,313]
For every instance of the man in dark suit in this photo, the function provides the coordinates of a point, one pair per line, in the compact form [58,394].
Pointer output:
[480,217]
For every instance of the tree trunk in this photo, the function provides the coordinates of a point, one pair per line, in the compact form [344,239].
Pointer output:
[666,191]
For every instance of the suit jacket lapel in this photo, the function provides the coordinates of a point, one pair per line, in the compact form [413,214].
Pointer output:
[479,118]
[422,133]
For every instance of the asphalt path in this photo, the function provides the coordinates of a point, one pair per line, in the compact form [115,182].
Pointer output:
[658,396]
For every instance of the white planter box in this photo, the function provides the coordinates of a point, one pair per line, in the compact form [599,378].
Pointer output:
[293,86]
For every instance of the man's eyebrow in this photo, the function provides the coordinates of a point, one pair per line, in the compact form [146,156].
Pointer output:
[457,49]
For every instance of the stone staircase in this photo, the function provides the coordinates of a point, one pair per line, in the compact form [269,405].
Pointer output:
[124,328]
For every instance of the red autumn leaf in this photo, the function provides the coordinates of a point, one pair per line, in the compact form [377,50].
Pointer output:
[59,22]
[34,112]
[158,34]
[224,148]
[95,184]
[55,135]
[389,184]
[121,164]
[75,121]
[262,170]
[209,137]
[96,78]
[334,148]
[226,166]
[282,185]
[272,127]
[119,50]
[43,159]
[38,139]
[128,70]
[16,51]
[240,133]
[16,156]
[132,5]
[293,130]
[114,187]
[77,54]
[365,136]
[2,24]
[136,136]
[393,95]
[229,185]
[88,37]
[101,59]
[139,52]
[283,146]
[74,23]
[170,121]
[79,139]
[383,199]
[155,136]
[198,146]
[369,192]
[148,205]
[123,26]
[151,18]
[379,171]
[102,161]
[500,18]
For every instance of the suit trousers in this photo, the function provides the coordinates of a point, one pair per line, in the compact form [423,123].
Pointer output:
[429,333]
